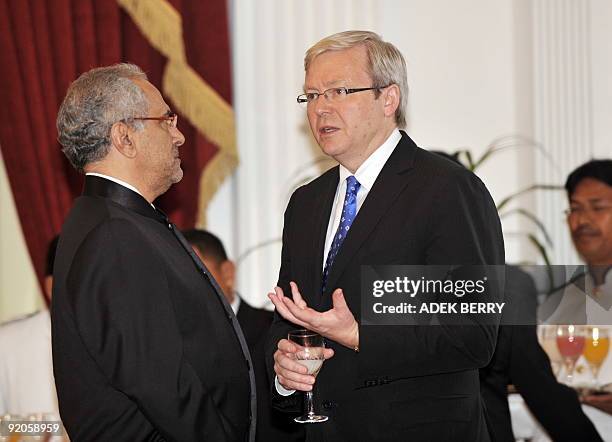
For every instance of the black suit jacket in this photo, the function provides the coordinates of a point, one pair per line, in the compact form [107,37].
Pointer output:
[145,346]
[407,382]
[272,425]
[254,322]
[520,360]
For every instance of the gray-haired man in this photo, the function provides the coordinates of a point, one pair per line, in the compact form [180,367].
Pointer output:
[145,346]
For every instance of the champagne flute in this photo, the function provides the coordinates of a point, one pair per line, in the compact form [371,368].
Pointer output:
[596,349]
[570,340]
[310,355]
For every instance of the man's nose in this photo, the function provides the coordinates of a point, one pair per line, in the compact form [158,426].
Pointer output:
[322,105]
[178,137]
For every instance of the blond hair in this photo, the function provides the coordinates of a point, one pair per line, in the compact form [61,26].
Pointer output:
[386,65]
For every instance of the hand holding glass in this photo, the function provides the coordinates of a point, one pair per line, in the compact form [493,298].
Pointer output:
[310,355]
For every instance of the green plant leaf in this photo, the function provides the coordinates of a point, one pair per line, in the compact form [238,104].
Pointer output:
[468,156]
[531,188]
[527,214]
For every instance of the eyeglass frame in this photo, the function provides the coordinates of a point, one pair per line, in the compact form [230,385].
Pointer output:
[170,116]
[575,211]
[348,91]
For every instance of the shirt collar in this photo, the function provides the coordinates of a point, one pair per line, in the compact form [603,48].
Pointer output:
[371,167]
[116,180]
[235,303]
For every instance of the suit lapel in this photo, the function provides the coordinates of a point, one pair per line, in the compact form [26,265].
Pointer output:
[387,187]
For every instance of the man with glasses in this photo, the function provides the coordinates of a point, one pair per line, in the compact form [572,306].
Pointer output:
[587,297]
[395,204]
[145,346]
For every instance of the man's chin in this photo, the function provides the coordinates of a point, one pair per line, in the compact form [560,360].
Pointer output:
[178,176]
[329,147]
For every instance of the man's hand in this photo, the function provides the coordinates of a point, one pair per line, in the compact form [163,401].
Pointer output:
[290,373]
[601,401]
[337,324]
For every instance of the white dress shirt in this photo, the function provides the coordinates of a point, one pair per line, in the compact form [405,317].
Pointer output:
[366,175]
[235,304]
[116,180]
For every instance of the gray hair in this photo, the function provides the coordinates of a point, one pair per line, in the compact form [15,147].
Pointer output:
[94,102]
[386,63]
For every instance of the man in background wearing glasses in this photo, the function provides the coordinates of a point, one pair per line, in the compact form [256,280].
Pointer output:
[145,346]
[395,204]
[587,297]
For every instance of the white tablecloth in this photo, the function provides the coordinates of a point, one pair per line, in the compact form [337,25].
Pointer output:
[525,426]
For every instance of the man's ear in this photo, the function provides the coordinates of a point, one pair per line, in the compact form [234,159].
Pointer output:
[391,96]
[228,273]
[121,136]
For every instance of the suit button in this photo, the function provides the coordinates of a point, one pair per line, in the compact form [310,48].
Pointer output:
[327,405]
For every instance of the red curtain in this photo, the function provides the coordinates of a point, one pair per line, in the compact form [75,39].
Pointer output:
[44,46]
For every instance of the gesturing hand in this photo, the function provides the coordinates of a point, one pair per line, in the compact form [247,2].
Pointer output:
[337,324]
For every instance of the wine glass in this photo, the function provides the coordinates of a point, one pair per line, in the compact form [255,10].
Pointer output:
[547,335]
[310,355]
[570,340]
[596,349]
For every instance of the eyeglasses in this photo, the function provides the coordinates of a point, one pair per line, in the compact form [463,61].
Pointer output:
[333,94]
[170,118]
[579,210]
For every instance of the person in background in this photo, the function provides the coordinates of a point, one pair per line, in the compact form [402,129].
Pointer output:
[587,297]
[272,426]
[26,368]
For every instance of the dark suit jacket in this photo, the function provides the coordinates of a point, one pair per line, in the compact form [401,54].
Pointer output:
[520,360]
[144,345]
[254,322]
[407,382]
[272,425]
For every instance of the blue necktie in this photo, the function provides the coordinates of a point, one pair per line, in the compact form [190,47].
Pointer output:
[349,211]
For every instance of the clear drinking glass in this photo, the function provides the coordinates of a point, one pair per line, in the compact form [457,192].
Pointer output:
[310,355]
[547,335]
[570,340]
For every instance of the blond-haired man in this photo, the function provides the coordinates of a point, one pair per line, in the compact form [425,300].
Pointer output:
[388,202]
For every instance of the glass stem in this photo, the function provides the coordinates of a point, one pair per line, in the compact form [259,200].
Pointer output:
[308,403]
[595,373]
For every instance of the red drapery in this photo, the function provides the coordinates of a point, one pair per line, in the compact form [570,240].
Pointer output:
[44,46]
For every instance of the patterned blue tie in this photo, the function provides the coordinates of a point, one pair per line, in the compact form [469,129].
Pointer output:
[349,211]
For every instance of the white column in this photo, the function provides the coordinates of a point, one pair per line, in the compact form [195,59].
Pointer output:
[563,106]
